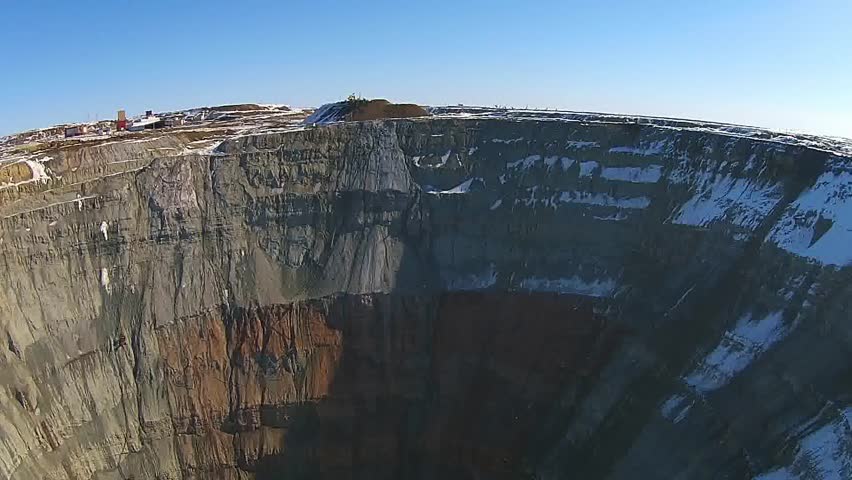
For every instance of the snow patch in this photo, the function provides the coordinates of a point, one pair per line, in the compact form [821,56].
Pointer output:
[524,163]
[328,113]
[475,281]
[79,201]
[818,224]
[749,339]
[37,170]
[825,453]
[535,199]
[646,174]
[603,200]
[198,147]
[572,285]
[587,168]
[104,228]
[105,279]
[741,201]
[580,145]
[676,408]
[615,217]
[463,187]
[507,142]
[644,149]
[553,160]
[444,158]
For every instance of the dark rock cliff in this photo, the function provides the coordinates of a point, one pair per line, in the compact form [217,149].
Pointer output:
[457,297]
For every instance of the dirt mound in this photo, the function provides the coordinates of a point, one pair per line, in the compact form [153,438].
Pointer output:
[359,109]
[380,108]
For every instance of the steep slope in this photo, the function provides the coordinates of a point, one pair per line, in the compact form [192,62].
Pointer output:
[481,294]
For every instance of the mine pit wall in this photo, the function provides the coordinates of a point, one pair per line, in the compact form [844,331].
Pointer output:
[423,299]
[379,386]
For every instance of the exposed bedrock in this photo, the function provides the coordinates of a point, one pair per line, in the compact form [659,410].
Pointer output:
[449,297]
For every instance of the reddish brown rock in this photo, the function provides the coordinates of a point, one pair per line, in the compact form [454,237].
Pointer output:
[377,384]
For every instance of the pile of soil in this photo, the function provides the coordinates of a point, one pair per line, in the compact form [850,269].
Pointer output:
[380,108]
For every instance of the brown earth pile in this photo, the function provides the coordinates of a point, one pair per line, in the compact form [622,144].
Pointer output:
[380,108]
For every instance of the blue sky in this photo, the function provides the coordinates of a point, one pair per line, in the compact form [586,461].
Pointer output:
[780,64]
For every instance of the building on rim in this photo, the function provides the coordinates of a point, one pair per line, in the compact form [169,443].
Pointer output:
[149,121]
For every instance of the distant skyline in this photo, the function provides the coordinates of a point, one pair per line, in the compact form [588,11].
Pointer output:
[779,64]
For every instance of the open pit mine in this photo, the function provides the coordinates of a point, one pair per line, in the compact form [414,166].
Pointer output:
[258,292]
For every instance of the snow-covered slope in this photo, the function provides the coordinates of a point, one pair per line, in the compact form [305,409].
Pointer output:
[328,113]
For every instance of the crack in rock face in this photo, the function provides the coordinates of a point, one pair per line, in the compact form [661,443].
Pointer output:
[476,293]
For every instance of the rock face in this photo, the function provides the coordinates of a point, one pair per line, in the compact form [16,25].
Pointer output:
[479,294]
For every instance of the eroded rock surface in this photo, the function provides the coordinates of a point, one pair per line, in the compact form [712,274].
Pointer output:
[479,294]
